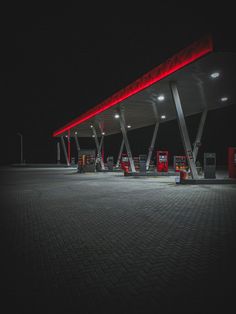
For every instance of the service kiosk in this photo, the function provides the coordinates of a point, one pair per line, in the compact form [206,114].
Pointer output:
[72,161]
[209,165]
[142,163]
[232,162]
[162,161]
[110,163]
[136,163]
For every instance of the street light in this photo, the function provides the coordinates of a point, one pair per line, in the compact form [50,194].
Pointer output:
[21,147]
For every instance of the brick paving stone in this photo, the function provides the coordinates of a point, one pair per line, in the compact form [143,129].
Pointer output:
[103,243]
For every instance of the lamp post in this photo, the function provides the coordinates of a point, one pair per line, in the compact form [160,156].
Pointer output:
[21,147]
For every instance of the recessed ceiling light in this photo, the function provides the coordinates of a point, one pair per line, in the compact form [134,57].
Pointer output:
[128,126]
[93,135]
[224,99]
[117,116]
[91,126]
[75,132]
[163,116]
[215,75]
[66,135]
[103,133]
[161,97]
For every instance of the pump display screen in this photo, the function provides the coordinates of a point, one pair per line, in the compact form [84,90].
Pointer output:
[162,158]
[210,161]
[125,159]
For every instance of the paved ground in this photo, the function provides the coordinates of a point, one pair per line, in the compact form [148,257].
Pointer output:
[102,243]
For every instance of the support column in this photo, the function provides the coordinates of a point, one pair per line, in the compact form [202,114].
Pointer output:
[152,145]
[183,130]
[64,150]
[120,153]
[68,147]
[99,147]
[100,153]
[101,127]
[58,153]
[77,143]
[197,142]
[126,141]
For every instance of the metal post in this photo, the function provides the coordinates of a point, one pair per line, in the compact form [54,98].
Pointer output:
[183,130]
[152,145]
[199,134]
[64,150]
[99,147]
[126,141]
[21,147]
[120,153]
[68,147]
[101,127]
[58,153]
[77,146]
[95,137]
[100,152]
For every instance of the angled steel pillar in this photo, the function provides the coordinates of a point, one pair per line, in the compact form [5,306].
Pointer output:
[197,142]
[183,130]
[77,143]
[100,153]
[64,150]
[100,144]
[152,144]
[126,141]
[101,127]
[58,153]
[120,153]
[95,137]
[99,147]
[68,147]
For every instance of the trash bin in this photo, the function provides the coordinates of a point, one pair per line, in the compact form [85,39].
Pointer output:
[183,175]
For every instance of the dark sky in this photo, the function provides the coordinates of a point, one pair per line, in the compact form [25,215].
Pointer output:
[56,65]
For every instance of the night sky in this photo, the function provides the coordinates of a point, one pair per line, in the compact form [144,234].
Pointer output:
[56,65]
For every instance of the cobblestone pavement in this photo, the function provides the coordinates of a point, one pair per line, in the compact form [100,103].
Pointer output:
[103,243]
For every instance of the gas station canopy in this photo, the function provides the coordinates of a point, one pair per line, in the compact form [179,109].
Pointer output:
[205,80]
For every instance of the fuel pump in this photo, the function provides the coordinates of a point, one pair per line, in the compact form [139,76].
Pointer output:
[86,160]
[179,163]
[232,162]
[136,163]
[142,163]
[209,165]
[162,161]
[124,163]
[110,163]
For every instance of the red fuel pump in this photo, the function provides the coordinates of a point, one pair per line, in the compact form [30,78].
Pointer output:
[162,161]
[124,163]
[232,162]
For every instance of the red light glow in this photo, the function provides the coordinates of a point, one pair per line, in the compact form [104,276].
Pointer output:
[178,61]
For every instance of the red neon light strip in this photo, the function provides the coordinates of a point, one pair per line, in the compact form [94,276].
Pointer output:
[178,61]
